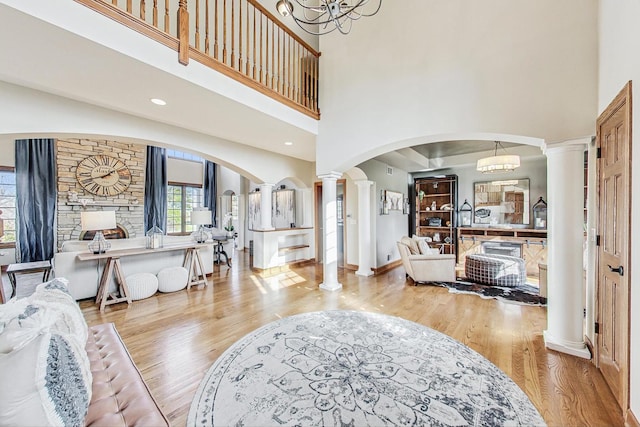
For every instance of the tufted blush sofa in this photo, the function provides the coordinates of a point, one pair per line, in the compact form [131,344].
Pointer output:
[84,276]
[58,371]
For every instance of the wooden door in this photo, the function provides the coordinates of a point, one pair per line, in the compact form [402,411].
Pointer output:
[614,204]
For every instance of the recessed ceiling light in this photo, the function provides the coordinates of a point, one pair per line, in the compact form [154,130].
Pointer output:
[158,101]
[288,143]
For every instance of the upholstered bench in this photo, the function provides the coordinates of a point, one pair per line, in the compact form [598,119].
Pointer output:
[495,270]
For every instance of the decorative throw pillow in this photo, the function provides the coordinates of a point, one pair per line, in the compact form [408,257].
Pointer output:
[47,384]
[412,244]
[42,352]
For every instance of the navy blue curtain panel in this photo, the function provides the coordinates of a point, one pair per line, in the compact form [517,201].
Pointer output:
[36,199]
[210,189]
[155,189]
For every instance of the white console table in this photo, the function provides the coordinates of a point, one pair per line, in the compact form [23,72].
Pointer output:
[275,248]
[192,262]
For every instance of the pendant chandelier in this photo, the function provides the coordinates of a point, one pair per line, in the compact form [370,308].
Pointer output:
[495,163]
[319,17]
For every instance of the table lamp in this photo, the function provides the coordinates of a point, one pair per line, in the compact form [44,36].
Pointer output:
[98,221]
[200,217]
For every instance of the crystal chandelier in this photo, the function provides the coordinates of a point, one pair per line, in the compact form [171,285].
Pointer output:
[319,17]
[495,163]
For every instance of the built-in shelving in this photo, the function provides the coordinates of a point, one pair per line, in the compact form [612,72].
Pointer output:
[435,211]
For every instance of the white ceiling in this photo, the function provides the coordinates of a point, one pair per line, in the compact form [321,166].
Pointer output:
[448,154]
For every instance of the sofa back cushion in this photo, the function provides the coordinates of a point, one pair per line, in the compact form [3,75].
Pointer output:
[412,244]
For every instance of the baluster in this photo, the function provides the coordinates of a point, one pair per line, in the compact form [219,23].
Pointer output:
[155,13]
[298,72]
[197,39]
[233,34]
[266,52]
[129,6]
[215,31]
[224,32]
[166,16]
[315,83]
[240,36]
[114,2]
[254,44]
[307,79]
[290,57]
[278,70]
[273,55]
[261,51]
[206,27]
[142,10]
[247,68]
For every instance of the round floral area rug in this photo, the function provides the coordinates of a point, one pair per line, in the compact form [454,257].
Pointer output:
[356,368]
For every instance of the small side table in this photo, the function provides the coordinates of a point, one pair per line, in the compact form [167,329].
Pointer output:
[219,251]
[43,267]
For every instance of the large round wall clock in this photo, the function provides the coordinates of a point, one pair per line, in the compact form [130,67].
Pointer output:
[103,175]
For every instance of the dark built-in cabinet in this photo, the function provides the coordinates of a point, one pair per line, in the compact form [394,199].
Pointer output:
[436,211]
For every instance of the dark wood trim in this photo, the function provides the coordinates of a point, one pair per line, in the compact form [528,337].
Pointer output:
[8,245]
[132,22]
[351,267]
[387,267]
[7,169]
[184,184]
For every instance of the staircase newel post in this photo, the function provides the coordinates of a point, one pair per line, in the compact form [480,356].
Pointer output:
[183,32]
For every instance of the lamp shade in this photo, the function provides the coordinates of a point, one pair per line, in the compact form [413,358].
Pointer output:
[502,163]
[97,220]
[201,217]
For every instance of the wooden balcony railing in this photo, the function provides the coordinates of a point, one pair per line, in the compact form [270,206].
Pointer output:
[238,38]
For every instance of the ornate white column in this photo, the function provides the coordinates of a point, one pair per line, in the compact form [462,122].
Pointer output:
[364,227]
[330,238]
[565,292]
[265,206]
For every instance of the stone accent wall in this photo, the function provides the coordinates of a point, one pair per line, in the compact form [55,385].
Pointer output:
[73,198]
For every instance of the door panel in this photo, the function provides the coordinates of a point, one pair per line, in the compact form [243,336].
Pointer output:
[612,287]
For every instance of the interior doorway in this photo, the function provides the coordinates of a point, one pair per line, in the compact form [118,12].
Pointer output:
[613,138]
[341,202]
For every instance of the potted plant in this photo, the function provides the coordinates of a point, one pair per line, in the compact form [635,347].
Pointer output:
[228,225]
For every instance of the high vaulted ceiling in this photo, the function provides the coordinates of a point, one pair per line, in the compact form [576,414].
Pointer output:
[43,56]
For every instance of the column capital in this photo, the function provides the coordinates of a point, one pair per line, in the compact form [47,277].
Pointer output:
[330,176]
[363,183]
[578,144]
[266,185]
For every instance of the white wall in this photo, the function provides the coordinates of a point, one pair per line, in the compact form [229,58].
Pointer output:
[432,67]
[619,62]
[57,116]
[389,228]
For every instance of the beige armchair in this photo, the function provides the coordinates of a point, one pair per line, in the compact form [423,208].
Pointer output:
[428,268]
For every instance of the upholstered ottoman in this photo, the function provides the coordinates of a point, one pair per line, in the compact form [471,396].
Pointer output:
[172,279]
[496,270]
[142,285]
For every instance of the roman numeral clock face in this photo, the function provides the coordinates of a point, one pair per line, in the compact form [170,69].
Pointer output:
[103,175]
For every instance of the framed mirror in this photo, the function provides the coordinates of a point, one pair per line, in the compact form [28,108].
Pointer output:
[501,203]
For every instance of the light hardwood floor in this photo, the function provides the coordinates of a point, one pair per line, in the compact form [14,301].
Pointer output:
[174,338]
